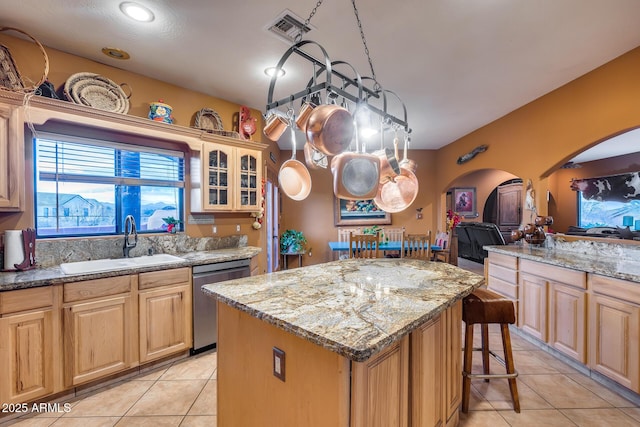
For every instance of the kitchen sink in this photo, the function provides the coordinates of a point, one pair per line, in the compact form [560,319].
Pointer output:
[97,265]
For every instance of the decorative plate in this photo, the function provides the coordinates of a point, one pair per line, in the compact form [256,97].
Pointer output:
[208,119]
[96,91]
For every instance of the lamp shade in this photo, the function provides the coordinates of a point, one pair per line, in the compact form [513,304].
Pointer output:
[627,221]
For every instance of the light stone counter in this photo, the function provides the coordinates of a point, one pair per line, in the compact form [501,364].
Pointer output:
[601,259]
[352,307]
[46,276]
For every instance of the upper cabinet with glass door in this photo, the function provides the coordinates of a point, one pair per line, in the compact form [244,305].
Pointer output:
[231,178]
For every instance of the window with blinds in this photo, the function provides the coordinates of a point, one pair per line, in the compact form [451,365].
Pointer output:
[86,187]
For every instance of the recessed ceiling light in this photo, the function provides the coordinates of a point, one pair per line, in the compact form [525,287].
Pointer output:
[114,52]
[136,11]
[271,71]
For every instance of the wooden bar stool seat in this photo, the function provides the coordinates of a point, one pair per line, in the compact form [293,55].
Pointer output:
[483,306]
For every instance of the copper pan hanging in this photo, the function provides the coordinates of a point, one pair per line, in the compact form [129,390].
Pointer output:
[400,192]
[294,178]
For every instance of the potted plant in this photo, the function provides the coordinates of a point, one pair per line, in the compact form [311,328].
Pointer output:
[172,224]
[292,242]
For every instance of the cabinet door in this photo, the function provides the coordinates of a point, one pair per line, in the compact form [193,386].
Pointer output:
[380,388]
[427,375]
[26,356]
[614,327]
[249,184]
[567,319]
[97,339]
[509,208]
[533,306]
[165,321]
[453,359]
[217,169]
[11,158]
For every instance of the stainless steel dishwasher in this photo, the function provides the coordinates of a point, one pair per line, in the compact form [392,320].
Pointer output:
[205,333]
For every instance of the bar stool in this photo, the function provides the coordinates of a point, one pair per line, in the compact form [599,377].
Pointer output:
[484,307]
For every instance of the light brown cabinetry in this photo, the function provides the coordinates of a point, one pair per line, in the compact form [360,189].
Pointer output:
[99,324]
[164,313]
[231,178]
[614,330]
[502,276]
[532,316]
[28,344]
[12,184]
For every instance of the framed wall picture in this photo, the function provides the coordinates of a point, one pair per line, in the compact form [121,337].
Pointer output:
[359,212]
[464,201]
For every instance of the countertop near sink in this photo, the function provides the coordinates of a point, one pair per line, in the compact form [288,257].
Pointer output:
[53,275]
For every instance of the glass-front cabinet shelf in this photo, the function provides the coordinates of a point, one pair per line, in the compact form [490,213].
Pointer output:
[231,178]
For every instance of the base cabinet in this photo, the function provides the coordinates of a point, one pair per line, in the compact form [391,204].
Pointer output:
[165,321]
[96,339]
[533,306]
[26,356]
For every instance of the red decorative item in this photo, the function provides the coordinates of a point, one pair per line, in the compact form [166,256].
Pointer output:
[247,123]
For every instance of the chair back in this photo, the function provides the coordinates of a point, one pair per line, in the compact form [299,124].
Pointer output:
[343,236]
[363,245]
[419,246]
[392,234]
[443,240]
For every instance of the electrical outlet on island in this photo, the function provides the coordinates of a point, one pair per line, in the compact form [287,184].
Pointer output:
[278,363]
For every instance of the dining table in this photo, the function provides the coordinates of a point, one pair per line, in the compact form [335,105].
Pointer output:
[391,245]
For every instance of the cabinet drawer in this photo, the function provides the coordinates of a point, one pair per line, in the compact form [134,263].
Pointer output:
[554,273]
[508,289]
[78,291]
[507,261]
[503,273]
[156,279]
[617,288]
[26,299]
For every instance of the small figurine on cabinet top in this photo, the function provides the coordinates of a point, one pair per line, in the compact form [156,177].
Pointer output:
[160,112]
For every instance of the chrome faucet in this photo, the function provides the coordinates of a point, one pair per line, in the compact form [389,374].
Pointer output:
[129,229]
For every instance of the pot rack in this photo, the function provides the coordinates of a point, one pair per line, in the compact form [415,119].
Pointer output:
[327,68]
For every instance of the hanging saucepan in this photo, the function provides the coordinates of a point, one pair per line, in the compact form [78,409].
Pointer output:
[389,167]
[400,192]
[294,178]
[355,174]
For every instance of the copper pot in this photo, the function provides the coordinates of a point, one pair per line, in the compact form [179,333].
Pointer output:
[275,127]
[398,192]
[304,114]
[389,167]
[330,129]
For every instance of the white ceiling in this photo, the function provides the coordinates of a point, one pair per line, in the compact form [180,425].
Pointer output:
[456,64]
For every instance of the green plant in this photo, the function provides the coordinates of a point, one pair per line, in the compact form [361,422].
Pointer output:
[172,223]
[373,230]
[292,241]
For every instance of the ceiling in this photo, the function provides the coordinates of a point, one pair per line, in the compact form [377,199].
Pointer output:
[456,65]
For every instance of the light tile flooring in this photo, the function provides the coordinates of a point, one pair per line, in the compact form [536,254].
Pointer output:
[552,393]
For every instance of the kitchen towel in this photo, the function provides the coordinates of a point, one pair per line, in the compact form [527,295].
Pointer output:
[13,249]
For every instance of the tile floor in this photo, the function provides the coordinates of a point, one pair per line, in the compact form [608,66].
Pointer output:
[552,393]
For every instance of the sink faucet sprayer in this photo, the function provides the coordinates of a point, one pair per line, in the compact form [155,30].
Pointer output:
[129,229]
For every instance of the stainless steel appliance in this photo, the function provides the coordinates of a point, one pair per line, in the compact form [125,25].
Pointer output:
[205,333]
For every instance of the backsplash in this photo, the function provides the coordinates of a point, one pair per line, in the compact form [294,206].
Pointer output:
[52,252]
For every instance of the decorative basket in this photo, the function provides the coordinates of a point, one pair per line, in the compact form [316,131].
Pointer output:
[10,76]
[96,91]
[208,119]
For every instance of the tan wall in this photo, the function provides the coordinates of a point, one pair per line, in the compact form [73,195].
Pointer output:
[185,103]
[536,139]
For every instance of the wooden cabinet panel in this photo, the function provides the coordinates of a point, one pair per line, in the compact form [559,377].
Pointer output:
[533,306]
[453,359]
[88,289]
[567,320]
[97,339]
[614,340]
[26,299]
[12,183]
[380,388]
[27,349]
[165,321]
[427,375]
[509,208]
[155,279]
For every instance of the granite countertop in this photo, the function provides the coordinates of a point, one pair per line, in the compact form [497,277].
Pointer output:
[352,307]
[599,262]
[54,275]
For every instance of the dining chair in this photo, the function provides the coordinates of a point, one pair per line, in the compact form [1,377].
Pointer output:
[364,245]
[419,246]
[442,241]
[393,234]
[343,236]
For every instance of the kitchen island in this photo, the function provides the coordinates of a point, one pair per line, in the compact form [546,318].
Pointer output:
[345,343]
